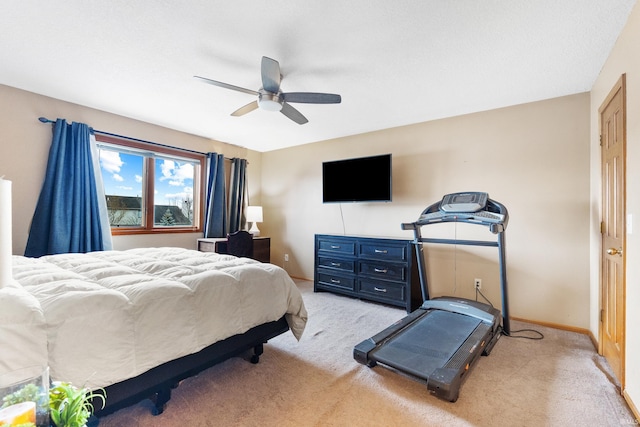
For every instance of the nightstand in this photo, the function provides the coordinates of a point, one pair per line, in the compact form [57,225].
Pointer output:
[261,247]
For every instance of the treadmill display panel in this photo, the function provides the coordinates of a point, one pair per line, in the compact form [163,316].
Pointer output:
[464,202]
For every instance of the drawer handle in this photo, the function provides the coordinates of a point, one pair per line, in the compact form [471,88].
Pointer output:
[381,270]
[380,251]
[336,281]
[375,288]
[336,264]
[335,246]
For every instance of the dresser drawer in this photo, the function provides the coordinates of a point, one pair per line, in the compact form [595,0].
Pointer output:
[391,292]
[337,246]
[336,281]
[382,270]
[383,251]
[347,265]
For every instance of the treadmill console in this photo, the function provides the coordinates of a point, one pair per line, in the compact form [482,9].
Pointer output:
[470,207]
[464,202]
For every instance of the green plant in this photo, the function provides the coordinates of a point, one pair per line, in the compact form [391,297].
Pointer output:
[70,406]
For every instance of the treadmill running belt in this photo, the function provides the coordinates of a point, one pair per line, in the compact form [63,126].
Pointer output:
[427,344]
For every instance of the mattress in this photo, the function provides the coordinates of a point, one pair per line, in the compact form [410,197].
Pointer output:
[103,317]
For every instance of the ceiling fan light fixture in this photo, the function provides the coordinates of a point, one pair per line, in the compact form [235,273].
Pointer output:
[269,102]
[270,96]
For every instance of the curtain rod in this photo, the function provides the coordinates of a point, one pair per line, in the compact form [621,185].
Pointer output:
[45,120]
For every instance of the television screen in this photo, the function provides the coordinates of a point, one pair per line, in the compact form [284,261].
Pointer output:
[363,179]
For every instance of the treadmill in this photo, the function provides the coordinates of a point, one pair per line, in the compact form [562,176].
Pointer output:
[442,340]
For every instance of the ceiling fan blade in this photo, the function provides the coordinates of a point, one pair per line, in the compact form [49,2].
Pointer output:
[312,98]
[245,109]
[227,86]
[293,114]
[270,75]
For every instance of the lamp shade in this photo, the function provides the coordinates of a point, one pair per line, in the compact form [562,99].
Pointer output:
[254,213]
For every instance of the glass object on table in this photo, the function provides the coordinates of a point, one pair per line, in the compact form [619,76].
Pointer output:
[24,397]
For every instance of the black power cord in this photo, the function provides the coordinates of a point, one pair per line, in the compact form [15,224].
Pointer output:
[537,334]
[479,292]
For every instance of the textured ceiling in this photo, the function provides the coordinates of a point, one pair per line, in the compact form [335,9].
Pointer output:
[394,63]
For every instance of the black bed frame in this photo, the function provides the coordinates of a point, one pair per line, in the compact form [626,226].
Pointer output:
[156,384]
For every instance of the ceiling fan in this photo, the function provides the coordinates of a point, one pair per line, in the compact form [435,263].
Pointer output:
[270,97]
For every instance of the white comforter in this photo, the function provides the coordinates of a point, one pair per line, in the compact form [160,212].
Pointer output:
[109,316]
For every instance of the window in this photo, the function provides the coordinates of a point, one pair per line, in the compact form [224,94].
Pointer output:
[151,188]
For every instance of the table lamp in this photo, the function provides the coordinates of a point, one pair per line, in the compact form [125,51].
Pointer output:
[254,215]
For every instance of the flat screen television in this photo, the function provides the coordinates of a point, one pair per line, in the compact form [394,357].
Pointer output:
[362,179]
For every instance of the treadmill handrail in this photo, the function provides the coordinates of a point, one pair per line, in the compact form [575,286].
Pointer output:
[460,242]
[494,215]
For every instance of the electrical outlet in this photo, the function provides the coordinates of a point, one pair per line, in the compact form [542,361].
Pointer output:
[477,283]
[286,257]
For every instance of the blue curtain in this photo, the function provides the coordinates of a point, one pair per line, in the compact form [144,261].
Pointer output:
[67,216]
[215,216]
[237,195]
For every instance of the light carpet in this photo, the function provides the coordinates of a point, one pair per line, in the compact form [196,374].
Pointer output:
[557,381]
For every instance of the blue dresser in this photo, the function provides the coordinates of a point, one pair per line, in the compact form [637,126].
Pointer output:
[376,269]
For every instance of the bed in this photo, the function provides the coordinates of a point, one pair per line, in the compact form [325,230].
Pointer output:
[136,322]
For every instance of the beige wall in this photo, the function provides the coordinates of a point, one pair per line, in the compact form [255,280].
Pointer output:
[24,148]
[534,158]
[624,59]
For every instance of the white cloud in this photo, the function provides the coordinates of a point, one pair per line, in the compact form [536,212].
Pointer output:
[176,172]
[110,161]
[117,177]
[167,168]
[185,171]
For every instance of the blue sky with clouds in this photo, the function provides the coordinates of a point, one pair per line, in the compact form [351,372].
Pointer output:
[122,176]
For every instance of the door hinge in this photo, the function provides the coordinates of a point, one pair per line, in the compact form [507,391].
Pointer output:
[601,315]
[601,140]
[602,227]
